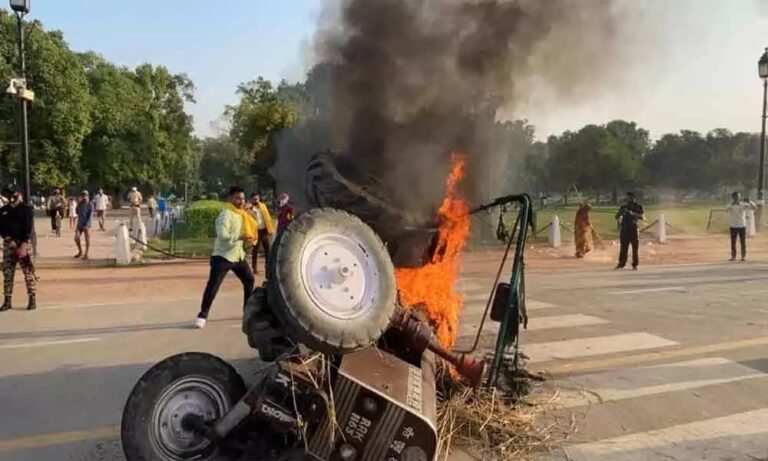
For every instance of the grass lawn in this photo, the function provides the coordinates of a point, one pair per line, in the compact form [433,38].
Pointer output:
[681,219]
[188,247]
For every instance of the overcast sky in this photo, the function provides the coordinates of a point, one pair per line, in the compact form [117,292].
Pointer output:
[692,64]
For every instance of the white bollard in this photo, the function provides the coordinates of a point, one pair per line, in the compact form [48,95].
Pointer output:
[554,233]
[123,250]
[751,228]
[662,231]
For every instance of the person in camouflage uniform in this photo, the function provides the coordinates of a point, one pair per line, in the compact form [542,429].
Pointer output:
[16,224]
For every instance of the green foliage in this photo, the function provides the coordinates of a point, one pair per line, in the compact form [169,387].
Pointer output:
[619,156]
[93,123]
[200,219]
[59,118]
[262,112]
[599,158]
[218,204]
[223,164]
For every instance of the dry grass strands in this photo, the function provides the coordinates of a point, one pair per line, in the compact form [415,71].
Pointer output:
[496,424]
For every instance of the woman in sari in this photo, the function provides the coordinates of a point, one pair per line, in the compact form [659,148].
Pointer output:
[583,231]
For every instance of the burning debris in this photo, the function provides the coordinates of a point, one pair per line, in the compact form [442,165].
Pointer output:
[432,285]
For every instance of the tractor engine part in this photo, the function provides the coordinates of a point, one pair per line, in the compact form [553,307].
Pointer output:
[411,334]
[385,408]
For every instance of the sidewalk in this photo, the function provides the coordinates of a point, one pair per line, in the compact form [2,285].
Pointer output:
[57,252]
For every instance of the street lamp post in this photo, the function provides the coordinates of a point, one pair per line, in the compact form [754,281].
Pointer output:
[762,70]
[21,8]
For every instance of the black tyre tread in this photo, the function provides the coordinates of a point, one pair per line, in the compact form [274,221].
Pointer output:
[287,307]
[326,186]
[135,444]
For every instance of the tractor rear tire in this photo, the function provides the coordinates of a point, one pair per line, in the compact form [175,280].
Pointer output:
[331,282]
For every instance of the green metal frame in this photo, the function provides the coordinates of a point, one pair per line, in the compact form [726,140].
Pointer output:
[510,325]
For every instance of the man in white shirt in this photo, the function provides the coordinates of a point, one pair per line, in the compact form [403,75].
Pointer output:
[100,204]
[737,211]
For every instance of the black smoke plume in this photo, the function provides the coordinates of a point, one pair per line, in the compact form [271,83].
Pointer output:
[401,84]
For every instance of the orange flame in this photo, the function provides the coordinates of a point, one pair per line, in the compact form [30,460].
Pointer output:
[433,284]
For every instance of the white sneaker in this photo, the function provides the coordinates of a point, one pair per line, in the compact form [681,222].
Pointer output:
[199,323]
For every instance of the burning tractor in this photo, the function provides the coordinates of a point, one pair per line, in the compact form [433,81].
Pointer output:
[350,368]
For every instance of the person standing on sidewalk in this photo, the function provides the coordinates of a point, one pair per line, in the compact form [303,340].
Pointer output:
[72,212]
[84,217]
[285,211]
[737,211]
[134,203]
[234,227]
[100,204]
[628,215]
[16,225]
[151,206]
[55,205]
[266,229]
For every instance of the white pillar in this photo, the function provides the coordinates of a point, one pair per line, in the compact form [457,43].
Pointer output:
[662,231]
[123,250]
[554,233]
[751,228]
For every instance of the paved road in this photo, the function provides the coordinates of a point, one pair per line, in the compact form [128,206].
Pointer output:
[666,363]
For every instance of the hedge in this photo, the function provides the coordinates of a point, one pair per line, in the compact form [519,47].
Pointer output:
[200,219]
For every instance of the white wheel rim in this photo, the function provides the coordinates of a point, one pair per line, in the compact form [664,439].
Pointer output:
[339,275]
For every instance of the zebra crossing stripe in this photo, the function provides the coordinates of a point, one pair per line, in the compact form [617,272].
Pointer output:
[651,380]
[478,303]
[740,436]
[584,347]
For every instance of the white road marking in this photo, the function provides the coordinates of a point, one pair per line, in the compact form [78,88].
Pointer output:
[540,323]
[651,290]
[741,436]
[471,303]
[48,343]
[643,381]
[573,348]
[562,321]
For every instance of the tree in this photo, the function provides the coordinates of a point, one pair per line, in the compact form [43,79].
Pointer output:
[92,123]
[262,112]
[60,116]
[223,164]
[142,134]
[598,158]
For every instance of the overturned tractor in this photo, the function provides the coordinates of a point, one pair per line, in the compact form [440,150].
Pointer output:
[350,370]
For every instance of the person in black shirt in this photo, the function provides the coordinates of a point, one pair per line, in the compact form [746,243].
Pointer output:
[16,224]
[628,216]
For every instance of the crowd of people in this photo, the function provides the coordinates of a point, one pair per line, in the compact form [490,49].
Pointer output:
[630,213]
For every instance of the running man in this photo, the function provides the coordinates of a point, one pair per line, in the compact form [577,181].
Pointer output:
[234,227]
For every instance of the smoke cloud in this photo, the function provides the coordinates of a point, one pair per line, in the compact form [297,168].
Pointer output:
[401,84]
